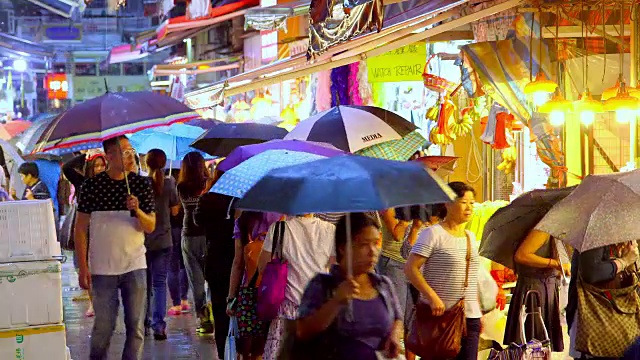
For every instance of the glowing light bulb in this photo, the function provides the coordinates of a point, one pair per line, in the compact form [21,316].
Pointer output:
[539,98]
[556,118]
[587,117]
[624,116]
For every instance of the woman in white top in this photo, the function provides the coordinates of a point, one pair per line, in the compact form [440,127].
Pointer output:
[437,266]
[308,245]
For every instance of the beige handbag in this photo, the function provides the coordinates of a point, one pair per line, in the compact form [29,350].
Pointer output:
[619,309]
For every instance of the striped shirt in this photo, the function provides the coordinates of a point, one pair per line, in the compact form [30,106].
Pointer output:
[445,267]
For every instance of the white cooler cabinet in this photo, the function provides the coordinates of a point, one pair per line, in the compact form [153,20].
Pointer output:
[34,343]
[28,231]
[30,294]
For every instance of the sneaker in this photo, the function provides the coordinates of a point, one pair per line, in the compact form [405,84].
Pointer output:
[185,305]
[206,327]
[160,335]
[90,312]
[175,310]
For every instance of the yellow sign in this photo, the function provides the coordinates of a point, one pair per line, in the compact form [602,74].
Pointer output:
[402,64]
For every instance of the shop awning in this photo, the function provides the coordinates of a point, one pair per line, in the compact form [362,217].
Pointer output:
[127,52]
[195,68]
[274,17]
[64,8]
[14,46]
[392,36]
[178,28]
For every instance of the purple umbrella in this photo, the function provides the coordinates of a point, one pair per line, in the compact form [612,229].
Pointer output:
[243,153]
[223,138]
[111,115]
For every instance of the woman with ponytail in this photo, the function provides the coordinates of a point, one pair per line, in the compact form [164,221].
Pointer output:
[159,243]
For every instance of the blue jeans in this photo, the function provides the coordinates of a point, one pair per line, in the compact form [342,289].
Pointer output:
[104,291]
[157,268]
[394,270]
[194,251]
[470,342]
[178,282]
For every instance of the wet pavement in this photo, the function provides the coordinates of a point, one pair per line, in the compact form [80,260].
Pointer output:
[182,342]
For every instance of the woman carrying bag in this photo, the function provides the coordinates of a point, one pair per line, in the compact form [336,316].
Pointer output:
[443,266]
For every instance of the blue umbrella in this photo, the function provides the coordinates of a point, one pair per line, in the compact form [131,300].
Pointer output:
[345,184]
[174,140]
[238,180]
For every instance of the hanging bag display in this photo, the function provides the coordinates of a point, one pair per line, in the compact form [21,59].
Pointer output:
[439,337]
[273,287]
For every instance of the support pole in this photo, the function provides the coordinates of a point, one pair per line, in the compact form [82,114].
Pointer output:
[635,62]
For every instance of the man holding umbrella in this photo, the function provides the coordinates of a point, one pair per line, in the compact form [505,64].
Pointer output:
[119,205]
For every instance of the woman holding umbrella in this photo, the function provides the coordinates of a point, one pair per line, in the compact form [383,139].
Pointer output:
[324,314]
[539,269]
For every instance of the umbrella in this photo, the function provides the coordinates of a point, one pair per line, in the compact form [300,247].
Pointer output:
[222,139]
[442,165]
[352,128]
[508,226]
[603,210]
[14,127]
[111,115]
[27,141]
[237,181]
[400,150]
[243,153]
[345,184]
[174,140]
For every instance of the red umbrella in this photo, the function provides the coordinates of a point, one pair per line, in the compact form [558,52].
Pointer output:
[442,165]
[14,127]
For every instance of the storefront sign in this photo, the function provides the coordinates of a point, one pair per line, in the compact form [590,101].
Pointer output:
[402,64]
[88,87]
[57,86]
[61,33]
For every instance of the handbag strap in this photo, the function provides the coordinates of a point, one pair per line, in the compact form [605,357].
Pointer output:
[468,260]
[278,239]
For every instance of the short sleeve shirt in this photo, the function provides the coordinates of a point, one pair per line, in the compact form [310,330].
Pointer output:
[117,240]
[445,267]
[102,193]
[160,238]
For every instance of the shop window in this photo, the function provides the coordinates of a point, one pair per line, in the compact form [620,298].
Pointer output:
[133,69]
[86,69]
[59,68]
[110,69]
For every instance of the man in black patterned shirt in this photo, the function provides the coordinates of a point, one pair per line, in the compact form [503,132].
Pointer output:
[119,219]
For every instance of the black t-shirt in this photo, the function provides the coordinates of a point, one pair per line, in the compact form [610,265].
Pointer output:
[102,193]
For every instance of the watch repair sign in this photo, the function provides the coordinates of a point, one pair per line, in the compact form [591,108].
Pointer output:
[402,64]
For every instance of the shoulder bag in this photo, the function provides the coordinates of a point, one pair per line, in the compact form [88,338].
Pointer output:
[273,287]
[439,337]
[618,308]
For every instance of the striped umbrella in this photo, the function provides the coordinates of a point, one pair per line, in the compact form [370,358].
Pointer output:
[352,128]
[399,150]
[111,115]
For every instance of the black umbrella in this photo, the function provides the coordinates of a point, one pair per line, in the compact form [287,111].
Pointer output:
[223,138]
[506,229]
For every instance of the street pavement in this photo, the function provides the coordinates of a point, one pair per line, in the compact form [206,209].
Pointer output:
[182,342]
